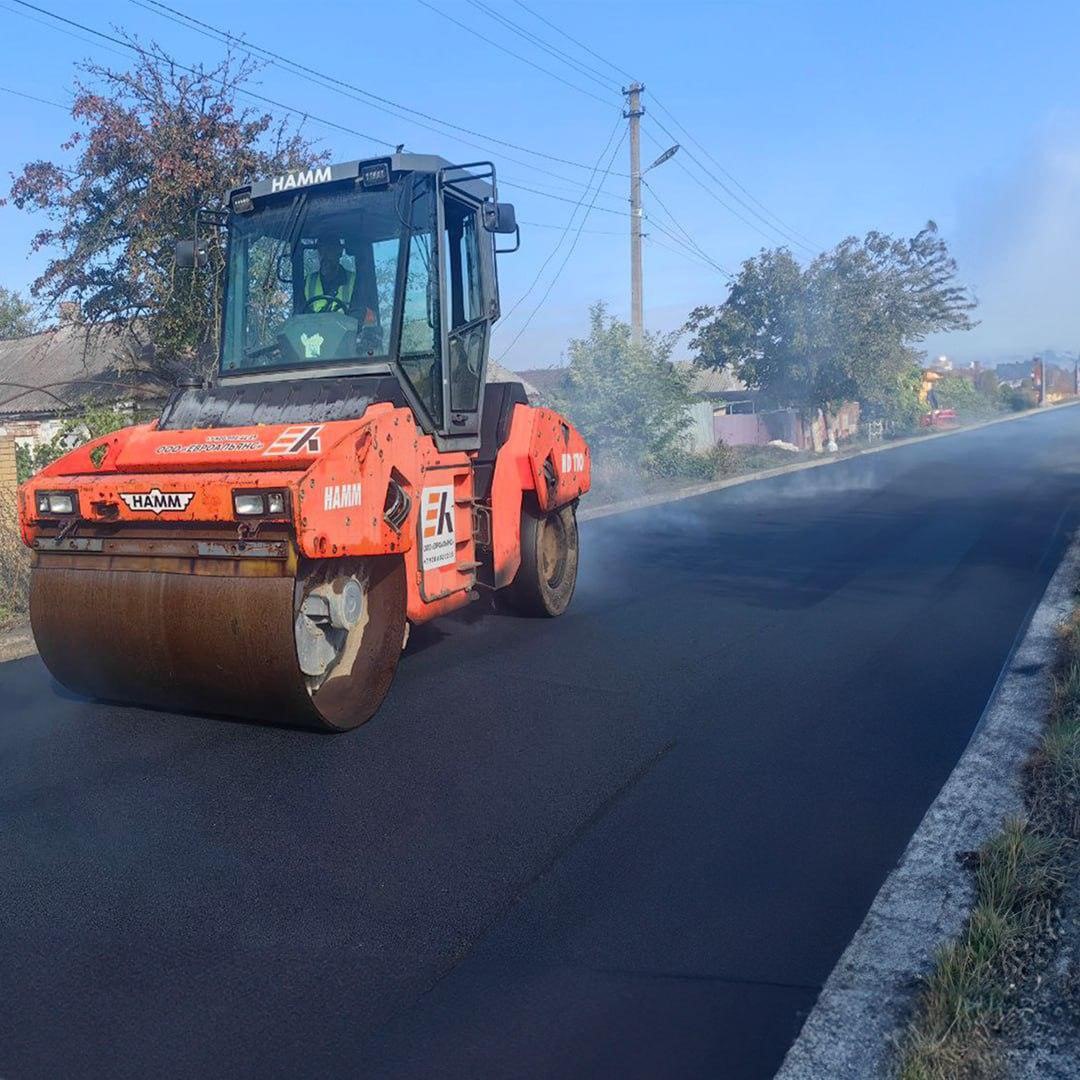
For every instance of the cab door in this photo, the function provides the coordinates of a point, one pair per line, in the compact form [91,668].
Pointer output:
[466,261]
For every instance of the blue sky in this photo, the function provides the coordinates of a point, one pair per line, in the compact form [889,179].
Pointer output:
[836,117]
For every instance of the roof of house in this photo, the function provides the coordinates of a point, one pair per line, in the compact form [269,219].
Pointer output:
[708,381]
[66,368]
[544,380]
[498,374]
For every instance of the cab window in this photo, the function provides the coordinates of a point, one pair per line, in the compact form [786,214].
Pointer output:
[419,349]
[468,317]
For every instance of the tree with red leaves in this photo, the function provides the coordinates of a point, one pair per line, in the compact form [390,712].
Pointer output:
[155,144]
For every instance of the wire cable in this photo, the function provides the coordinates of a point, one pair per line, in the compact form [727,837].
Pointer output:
[688,255]
[129,48]
[688,249]
[31,97]
[60,29]
[384,104]
[559,198]
[517,56]
[566,258]
[689,239]
[605,82]
[786,237]
[569,224]
[579,44]
[730,209]
[202,74]
[589,232]
[667,112]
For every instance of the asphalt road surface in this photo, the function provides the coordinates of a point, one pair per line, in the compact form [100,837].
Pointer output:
[630,842]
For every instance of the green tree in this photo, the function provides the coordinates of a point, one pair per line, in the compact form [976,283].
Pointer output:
[988,383]
[963,395]
[153,145]
[626,399]
[16,316]
[842,328]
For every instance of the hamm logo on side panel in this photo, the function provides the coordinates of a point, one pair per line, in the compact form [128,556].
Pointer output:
[439,541]
[155,500]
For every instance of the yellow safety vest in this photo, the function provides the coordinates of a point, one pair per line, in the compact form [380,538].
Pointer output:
[314,287]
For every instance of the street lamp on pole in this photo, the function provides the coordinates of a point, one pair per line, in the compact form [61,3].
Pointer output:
[667,155]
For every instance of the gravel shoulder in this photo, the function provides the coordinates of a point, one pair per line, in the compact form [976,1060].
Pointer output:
[16,641]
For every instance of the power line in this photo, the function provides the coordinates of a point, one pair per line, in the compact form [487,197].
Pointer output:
[552,225]
[603,81]
[517,56]
[31,97]
[796,236]
[691,250]
[569,223]
[202,74]
[566,257]
[559,198]
[377,101]
[579,44]
[689,255]
[60,29]
[713,195]
[137,50]
[566,189]
[786,236]
[690,241]
[667,112]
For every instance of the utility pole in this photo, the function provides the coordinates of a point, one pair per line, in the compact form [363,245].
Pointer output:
[633,113]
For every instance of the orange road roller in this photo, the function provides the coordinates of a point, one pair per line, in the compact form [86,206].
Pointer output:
[261,549]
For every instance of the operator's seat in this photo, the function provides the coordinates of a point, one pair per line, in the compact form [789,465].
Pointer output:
[499,401]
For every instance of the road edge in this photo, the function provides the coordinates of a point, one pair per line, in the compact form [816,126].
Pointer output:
[659,499]
[926,899]
[17,642]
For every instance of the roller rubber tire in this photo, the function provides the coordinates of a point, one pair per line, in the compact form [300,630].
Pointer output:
[545,581]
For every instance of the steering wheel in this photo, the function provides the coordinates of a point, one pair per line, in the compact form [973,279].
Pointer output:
[334,302]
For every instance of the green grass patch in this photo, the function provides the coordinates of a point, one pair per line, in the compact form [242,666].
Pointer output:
[973,991]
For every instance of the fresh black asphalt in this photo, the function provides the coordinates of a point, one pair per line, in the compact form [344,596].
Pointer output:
[629,842]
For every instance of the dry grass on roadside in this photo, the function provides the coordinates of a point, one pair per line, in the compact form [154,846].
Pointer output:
[973,991]
[14,563]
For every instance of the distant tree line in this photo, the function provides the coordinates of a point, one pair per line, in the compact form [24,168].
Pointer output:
[845,327]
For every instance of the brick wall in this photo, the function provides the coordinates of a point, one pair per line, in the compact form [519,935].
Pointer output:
[7,461]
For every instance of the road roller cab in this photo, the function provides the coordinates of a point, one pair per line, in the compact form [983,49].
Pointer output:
[261,548]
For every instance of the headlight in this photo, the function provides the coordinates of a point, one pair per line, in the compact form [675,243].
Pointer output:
[55,502]
[260,503]
[249,505]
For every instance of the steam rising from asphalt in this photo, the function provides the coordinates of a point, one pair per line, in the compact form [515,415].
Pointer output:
[1016,244]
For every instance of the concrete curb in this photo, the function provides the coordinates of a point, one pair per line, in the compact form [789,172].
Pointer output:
[925,900]
[626,505]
